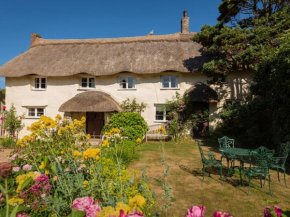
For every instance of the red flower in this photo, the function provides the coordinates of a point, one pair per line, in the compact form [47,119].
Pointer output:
[4,107]
[1,118]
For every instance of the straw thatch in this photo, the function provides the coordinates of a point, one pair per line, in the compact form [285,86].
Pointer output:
[99,57]
[91,101]
[201,92]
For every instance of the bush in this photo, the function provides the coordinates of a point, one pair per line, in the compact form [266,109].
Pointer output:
[8,142]
[133,125]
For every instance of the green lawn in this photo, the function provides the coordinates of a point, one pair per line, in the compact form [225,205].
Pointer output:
[185,178]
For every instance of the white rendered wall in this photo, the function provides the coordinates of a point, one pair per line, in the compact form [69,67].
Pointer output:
[19,91]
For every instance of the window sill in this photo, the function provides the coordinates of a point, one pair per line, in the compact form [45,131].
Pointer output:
[85,89]
[159,121]
[32,117]
[170,88]
[127,89]
[38,89]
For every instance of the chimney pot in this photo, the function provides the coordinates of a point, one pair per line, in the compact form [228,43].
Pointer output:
[34,37]
[185,23]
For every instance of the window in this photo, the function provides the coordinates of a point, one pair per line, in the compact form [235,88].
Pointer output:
[87,83]
[40,83]
[35,112]
[160,113]
[169,82]
[127,83]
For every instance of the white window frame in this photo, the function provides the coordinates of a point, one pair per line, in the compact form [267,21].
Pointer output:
[87,83]
[40,83]
[170,77]
[35,112]
[164,113]
[127,83]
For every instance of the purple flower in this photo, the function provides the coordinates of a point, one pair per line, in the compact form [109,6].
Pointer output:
[42,178]
[36,189]
[277,210]
[27,167]
[16,169]
[22,215]
[221,214]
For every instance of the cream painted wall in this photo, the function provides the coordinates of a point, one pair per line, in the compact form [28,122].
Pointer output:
[19,91]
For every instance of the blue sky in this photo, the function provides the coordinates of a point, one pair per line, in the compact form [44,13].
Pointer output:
[79,19]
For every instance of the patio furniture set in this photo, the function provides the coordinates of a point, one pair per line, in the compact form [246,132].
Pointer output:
[259,160]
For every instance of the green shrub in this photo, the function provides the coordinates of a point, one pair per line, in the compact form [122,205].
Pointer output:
[132,125]
[8,142]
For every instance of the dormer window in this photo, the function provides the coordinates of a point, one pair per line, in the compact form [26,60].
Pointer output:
[88,83]
[169,82]
[40,83]
[127,82]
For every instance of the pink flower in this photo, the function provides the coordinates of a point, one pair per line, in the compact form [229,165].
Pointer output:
[4,107]
[22,215]
[1,198]
[277,210]
[1,118]
[87,205]
[134,213]
[221,214]
[13,157]
[16,169]
[196,211]
[42,178]
[27,167]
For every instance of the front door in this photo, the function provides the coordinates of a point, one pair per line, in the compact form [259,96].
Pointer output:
[95,123]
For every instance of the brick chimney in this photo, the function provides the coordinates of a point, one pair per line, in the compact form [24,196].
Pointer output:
[185,23]
[34,37]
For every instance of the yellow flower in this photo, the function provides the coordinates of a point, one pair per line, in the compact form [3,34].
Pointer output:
[88,136]
[21,179]
[97,158]
[121,206]
[62,152]
[76,154]
[106,212]
[105,143]
[14,201]
[42,165]
[46,172]
[138,140]
[137,202]
[86,183]
[91,153]
[58,117]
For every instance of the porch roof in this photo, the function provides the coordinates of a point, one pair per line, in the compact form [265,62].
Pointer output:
[91,101]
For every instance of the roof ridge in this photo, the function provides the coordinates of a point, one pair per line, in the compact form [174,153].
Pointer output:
[149,38]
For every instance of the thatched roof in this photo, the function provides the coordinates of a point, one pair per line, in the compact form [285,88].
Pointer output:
[99,57]
[201,92]
[91,101]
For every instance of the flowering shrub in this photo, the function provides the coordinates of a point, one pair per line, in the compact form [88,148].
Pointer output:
[196,211]
[269,212]
[55,165]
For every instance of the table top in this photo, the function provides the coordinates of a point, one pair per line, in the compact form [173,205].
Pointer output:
[236,151]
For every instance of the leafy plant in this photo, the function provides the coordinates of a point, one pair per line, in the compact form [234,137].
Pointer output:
[132,106]
[133,125]
[12,122]
[8,142]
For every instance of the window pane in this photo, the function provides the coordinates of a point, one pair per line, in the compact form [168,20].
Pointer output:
[131,83]
[43,83]
[36,85]
[165,81]
[84,82]
[91,82]
[159,115]
[31,112]
[123,83]
[40,111]
[174,82]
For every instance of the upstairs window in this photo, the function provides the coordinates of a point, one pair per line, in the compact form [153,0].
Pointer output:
[169,82]
[127,82]
[35,112]
[160,113]
[40,83]
[88,83]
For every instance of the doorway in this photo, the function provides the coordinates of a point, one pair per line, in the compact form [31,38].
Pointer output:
[95,123]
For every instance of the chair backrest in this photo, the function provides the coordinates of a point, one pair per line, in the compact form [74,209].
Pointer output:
[226,142]
[203,159]
[261,158]
[283,149]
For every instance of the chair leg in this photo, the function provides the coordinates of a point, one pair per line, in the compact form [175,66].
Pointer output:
[249,185]
[221,173]
[285,179]
[278,174]
[261,181]
[228,173]
[203,171]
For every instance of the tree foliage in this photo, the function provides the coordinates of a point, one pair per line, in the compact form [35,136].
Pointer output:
[132,106]
[247,30]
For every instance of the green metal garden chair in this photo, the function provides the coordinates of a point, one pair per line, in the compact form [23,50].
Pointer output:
[260,161]
[224,143]
[280,160]
[209,161]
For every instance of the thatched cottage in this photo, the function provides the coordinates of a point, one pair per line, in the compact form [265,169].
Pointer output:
[91,77]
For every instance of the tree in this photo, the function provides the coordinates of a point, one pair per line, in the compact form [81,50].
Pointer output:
[12,123]
[246,31]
